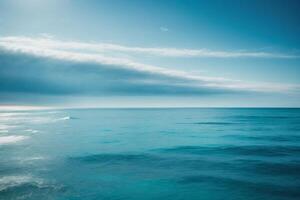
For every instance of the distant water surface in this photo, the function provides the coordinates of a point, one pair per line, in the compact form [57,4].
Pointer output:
[139,154]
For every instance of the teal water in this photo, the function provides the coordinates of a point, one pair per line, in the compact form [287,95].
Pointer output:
[138,154]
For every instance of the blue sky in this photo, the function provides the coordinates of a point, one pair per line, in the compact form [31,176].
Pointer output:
[149,53]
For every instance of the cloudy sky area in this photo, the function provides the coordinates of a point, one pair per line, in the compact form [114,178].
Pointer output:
[149,53]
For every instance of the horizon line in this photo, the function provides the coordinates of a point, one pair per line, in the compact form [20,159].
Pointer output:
[36,108]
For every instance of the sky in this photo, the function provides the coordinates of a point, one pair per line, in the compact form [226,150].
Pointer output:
[146,53]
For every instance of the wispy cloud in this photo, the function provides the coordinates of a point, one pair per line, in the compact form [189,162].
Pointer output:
[48,66]
[49,42]
[164,29]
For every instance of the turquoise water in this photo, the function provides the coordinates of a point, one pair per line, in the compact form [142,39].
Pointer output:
[150,154]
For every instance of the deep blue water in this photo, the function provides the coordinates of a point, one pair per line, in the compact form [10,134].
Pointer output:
[138,154]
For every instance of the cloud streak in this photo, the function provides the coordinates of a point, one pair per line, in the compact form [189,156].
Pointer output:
[49,42]
[54,67]
[163,29]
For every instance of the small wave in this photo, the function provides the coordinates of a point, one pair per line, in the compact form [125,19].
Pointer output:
[65,118]
[117,158]
[12,139]
[261,117]
[33,158]
[31,130]
[214,123]
[210,123]
[10,182]
[244,184]
[15,181]
[250,150]
[13,114]
[52,112]
[4,127]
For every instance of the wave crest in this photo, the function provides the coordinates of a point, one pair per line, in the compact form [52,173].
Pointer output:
[12,139]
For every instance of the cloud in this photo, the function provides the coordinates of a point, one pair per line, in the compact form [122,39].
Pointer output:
[163,29]
[49,42]
[52,67]
[47,35]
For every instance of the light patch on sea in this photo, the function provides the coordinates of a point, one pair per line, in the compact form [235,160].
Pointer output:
[7,182]
[14,181]
[9,120]
[23,161]
[31,130]
[12,139]
[143,154]
[5,127]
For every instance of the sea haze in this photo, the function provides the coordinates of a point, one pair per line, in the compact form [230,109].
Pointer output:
[150,154]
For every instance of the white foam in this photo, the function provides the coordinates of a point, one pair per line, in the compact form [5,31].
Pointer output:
[53,112]
[34,158]
[8,182]
[11,139]
[31,130]
[4,127]
[22,108]
[12,114]
[28,160]
[14,181]
[10,117]
[45,120]
[64,118]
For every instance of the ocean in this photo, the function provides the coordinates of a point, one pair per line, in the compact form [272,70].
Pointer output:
[148,154]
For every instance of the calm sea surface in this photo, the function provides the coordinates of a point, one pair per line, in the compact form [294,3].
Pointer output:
[138,154]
